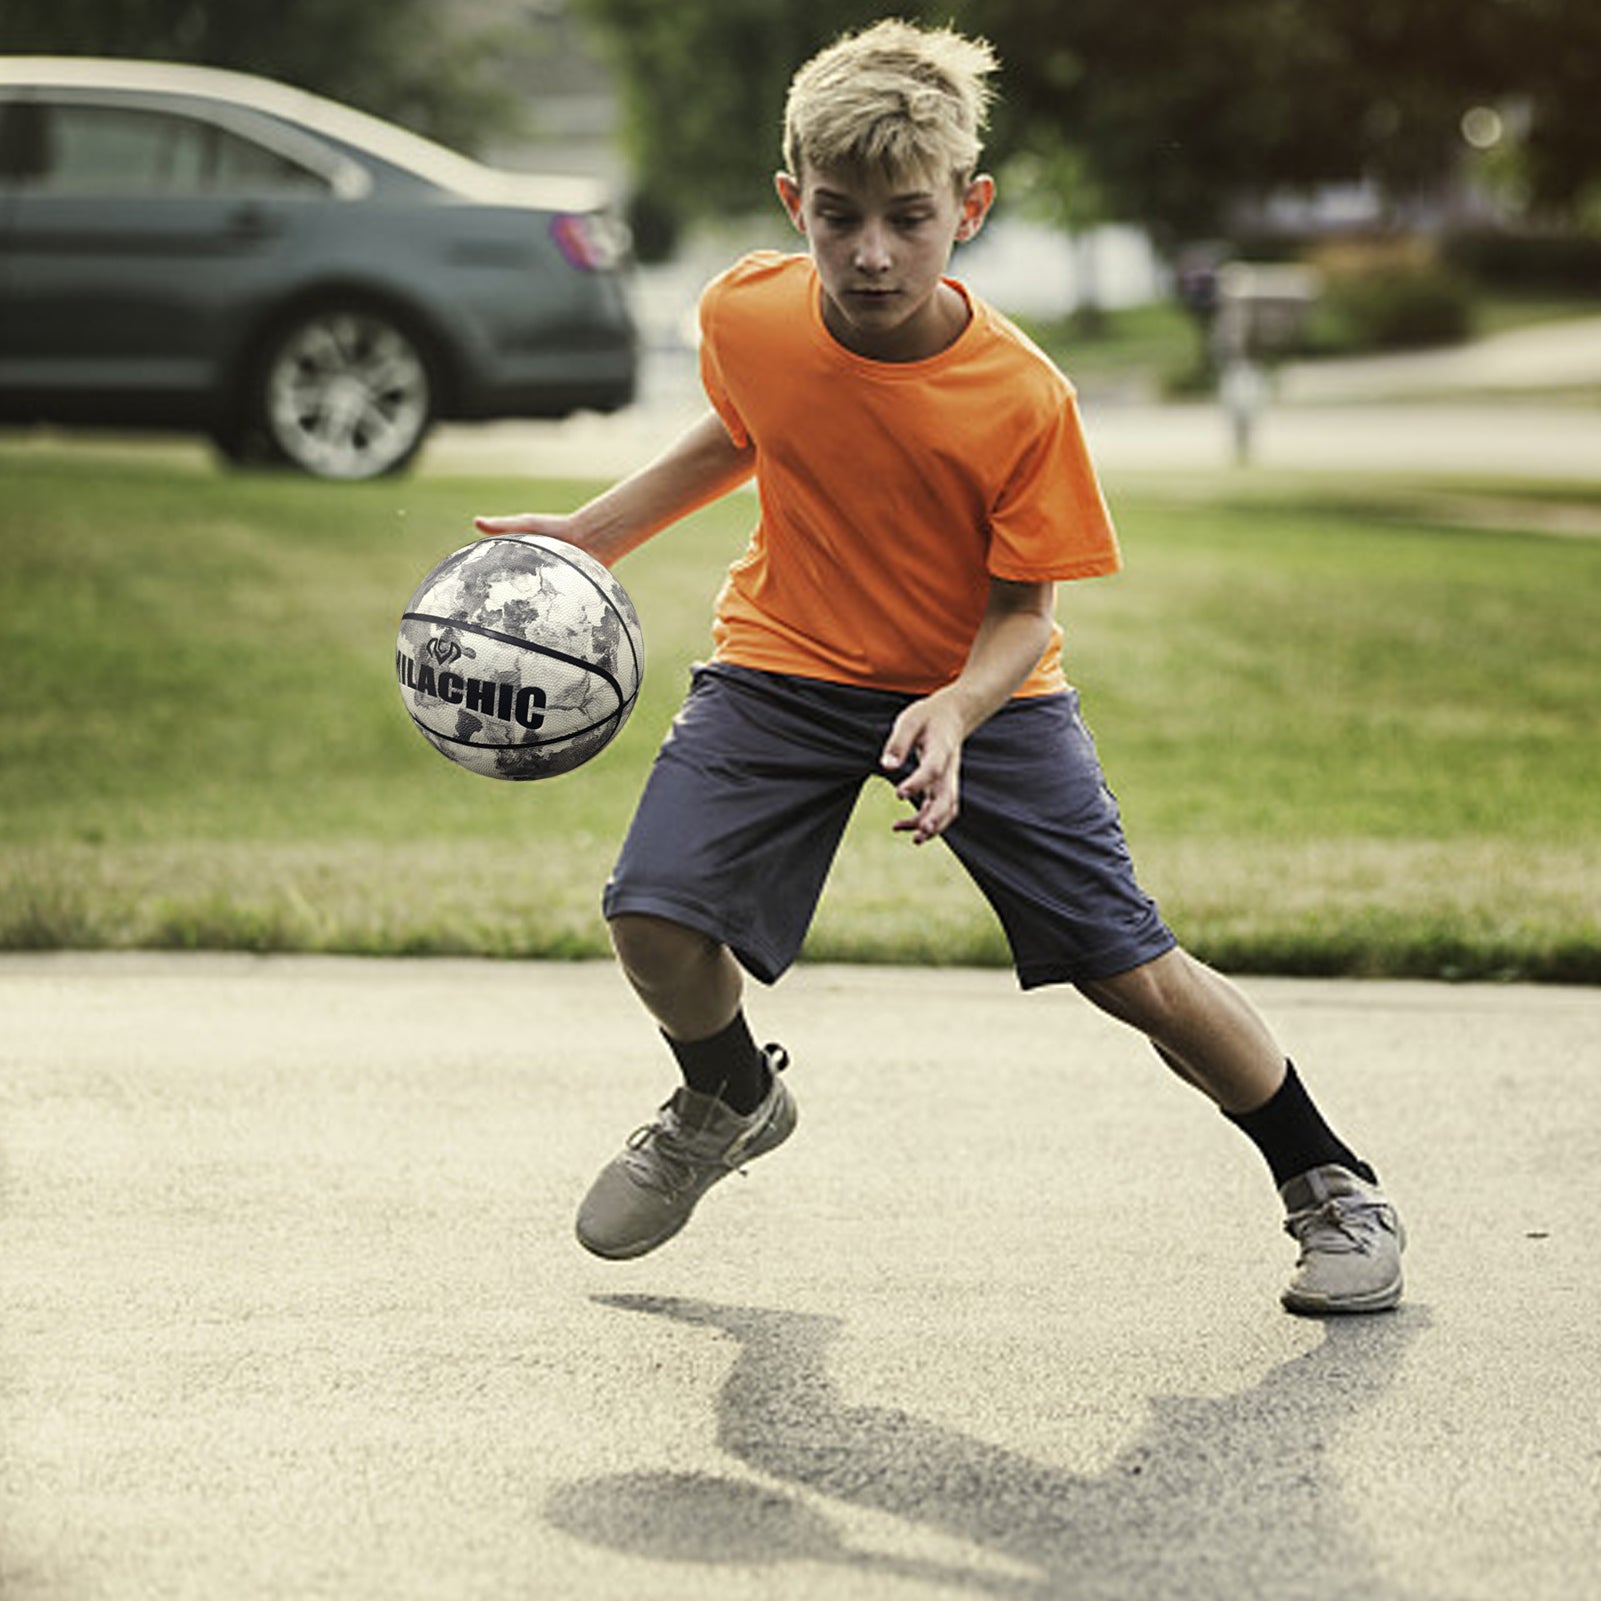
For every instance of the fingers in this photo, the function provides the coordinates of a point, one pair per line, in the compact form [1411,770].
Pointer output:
[932,788]
[528,522]
[525,523]
[932,784]
[907,738]
[934,814]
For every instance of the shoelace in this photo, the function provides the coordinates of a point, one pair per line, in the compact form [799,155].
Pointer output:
[1340,1224]
[660,1157]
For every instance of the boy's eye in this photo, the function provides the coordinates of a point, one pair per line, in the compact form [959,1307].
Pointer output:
[902,221]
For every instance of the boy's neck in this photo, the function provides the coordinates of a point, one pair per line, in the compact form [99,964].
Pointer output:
[948,313]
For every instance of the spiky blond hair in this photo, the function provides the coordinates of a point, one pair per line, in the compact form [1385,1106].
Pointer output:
[907,101]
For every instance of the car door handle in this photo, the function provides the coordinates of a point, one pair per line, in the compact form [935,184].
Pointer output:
[252,222]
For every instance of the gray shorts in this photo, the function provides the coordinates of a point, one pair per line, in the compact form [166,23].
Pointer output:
[747,802]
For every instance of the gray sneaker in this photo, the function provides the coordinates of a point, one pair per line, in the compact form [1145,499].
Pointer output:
[1351,1242]
[646,1193]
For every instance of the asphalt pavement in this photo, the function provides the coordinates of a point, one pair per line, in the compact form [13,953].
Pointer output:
[291,1307]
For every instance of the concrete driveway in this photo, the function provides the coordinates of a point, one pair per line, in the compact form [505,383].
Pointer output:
[1486,409]
[291,1308]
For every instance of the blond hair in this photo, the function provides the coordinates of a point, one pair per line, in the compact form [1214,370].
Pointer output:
[906,101]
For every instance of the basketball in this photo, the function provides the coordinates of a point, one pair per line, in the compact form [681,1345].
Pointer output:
[519,657]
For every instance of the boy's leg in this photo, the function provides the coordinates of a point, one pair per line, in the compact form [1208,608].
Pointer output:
[720,874]
[1214,1039]
[1201,1026]
[731,1109]
[1041,835]
[691,984]
[1211,1036]
[725,860]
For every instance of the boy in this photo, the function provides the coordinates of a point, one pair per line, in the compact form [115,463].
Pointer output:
[923,486]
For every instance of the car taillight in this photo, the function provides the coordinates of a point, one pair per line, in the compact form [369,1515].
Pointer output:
[589,240]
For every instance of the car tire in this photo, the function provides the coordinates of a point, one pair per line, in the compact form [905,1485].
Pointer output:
[242,442]
[341,391]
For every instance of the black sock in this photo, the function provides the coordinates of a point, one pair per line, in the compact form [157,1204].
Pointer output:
[1290,1132]
[728,1065]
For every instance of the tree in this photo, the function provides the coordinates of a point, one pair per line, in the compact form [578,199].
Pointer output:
[1559,55]
[1182,111]
[703,85]
[1174,112]
[1052,182]
[1166,108]
[395,58]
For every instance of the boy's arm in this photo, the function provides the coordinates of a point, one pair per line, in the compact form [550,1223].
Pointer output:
[1011,638]
[701,465]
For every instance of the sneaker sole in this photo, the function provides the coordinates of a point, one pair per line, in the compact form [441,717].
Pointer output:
[627,1253]
[1381,1300]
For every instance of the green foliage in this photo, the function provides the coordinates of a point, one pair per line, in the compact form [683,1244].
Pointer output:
[703,85]
[1566,263]
[1394,308]
[1054,182]
[1180,109]
[1172,112]
[400,59]
[1185,110]
[1141,350]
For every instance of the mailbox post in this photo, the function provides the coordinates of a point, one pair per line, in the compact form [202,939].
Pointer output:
[1261,312]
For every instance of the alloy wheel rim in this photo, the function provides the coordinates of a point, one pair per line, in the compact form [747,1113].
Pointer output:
[348,395]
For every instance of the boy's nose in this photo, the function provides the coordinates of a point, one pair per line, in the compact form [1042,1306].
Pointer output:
[872,250]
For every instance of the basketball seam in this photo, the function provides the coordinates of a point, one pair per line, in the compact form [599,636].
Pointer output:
[521,644]
[567,561]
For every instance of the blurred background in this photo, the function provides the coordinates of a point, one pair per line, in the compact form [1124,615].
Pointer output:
[1195,202]
[1327,277]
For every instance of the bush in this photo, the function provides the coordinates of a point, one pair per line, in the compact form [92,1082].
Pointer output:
[1400,308]
[1528,263]
[1389,295]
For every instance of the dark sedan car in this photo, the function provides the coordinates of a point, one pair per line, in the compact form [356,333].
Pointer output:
[182,247]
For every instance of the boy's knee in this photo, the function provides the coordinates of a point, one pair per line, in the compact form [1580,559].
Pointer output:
[688,981]
[656,952]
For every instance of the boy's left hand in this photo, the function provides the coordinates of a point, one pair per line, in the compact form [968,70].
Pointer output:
[931,732]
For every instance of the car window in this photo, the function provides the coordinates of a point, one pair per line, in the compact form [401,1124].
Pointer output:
[129,150]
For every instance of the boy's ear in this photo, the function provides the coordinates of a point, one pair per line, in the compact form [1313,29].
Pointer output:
[977,198]
[789,191]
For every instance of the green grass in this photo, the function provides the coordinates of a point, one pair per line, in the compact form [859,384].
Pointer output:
[1505,313]
[1354,726]
[1151,348]
[1158,348]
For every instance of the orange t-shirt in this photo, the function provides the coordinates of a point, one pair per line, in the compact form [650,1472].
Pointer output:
[890,493]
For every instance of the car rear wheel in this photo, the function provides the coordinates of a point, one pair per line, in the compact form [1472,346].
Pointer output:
[345,392]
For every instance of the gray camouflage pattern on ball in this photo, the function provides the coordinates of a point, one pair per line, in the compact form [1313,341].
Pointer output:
[468,692]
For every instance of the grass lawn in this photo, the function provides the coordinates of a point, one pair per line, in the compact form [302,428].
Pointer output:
[1354,730]
[1157,348]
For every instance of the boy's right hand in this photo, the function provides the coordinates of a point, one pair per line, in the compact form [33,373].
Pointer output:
[552,525]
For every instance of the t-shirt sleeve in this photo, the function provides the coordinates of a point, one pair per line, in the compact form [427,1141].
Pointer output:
[711,367]
[1050,520]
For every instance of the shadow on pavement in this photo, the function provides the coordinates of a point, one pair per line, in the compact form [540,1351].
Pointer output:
[1217,1497]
